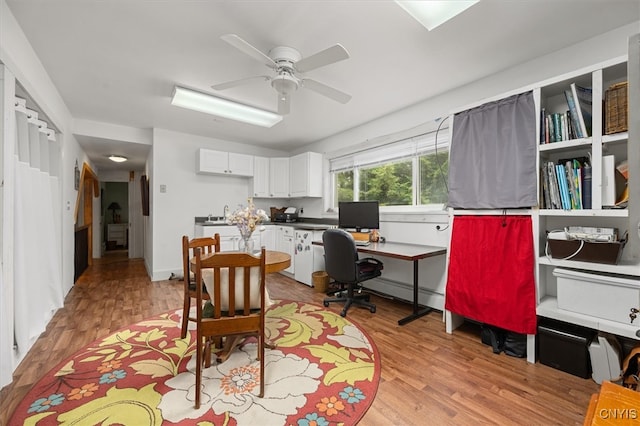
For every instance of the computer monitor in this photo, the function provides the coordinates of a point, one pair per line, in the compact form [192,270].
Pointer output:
[358,215]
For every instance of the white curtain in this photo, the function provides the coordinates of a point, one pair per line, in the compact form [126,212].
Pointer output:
[38,290]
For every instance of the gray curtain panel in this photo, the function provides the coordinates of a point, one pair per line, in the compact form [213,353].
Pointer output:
[492,157]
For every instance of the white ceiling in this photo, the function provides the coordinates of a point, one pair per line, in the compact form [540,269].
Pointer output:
[118,61]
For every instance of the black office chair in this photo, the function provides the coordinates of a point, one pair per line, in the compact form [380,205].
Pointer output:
[343,265]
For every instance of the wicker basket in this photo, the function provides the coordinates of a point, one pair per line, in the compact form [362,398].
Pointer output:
[615,106]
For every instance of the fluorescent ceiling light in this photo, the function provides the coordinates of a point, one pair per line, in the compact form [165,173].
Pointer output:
[209,104]
[117,158]
[435,12]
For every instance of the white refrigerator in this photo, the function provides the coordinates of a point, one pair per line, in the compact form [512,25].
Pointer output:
[308,258]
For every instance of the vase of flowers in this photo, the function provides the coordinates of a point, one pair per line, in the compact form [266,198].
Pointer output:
[247,219]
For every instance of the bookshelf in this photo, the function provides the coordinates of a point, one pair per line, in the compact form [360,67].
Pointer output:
[551,99]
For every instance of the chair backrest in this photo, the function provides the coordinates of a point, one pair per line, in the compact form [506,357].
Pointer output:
[340,255]
[207,244]
[238,282]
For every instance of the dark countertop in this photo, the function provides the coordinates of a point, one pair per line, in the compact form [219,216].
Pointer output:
[304,223]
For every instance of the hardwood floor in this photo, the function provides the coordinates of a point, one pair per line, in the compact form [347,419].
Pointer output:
[428,376]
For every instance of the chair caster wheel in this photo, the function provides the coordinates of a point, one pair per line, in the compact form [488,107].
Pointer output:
[343,314]
[372,310]
[326,304]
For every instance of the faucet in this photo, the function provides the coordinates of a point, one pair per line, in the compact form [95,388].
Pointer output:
[226,210]
[209,218]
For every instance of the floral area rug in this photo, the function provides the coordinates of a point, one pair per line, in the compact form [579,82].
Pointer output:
[324,371]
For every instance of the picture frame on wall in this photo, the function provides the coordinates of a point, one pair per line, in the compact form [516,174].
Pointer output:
[76,178]
[144,190]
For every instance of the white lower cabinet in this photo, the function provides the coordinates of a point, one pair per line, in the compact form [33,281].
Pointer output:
[230,236]
[268,237]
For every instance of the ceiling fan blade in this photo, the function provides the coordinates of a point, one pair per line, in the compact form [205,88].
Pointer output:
[325,57]
[234,83]
[284,104]
[325,90]
[248,49]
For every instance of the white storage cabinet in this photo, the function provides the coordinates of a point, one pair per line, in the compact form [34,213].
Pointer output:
[225,163]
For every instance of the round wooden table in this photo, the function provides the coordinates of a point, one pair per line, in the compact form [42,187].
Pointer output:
[275,261]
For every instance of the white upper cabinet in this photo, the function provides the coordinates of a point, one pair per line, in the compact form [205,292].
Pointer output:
[225,163]
[261,177]
[305,179]
[271,177]
[279,177]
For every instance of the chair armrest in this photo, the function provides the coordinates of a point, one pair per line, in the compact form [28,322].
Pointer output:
[368,265]
[368,260]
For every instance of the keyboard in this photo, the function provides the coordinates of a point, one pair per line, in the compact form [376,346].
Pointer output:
[362,243]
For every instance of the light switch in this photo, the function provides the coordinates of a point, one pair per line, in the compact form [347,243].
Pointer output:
[163,188]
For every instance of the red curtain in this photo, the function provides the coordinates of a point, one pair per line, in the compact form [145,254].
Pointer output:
[491,271]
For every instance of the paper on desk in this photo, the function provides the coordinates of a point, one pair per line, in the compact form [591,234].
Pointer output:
[290,210]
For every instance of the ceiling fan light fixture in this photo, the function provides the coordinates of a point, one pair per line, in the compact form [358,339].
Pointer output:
[433,13]
[285,84]
[213,105]
[118,158]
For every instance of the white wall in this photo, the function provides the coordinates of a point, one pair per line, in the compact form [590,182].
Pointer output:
[598,49]
[23,64]
[189,194]
[422,116]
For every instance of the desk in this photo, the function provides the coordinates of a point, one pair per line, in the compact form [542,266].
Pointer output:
[410,252]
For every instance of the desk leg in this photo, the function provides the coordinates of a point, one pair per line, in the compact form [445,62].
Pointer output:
[417,312]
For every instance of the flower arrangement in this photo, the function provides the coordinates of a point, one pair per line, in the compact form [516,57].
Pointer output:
[246,219]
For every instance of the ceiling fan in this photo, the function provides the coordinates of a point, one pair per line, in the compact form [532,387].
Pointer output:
[289,65]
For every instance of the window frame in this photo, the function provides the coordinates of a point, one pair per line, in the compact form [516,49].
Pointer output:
[437,142]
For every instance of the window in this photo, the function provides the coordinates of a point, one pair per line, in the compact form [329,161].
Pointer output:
[410,172]
[434,169]
[389,183]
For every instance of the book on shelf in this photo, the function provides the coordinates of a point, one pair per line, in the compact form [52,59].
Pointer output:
[572,169]
[608,189]
[615,191]
[566,184]
[573,113]
[583,97]
[556,127]
[564,189]
[586,186]
[554,190]
[543,126]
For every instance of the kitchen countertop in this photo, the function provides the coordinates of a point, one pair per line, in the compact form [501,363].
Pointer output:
[311,225]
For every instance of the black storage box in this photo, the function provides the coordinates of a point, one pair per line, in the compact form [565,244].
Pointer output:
[565,347]
[587,251]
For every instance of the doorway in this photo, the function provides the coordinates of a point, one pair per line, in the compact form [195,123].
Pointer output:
[115,217]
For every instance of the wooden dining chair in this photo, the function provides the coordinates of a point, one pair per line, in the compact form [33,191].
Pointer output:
[208,245]
[238,306]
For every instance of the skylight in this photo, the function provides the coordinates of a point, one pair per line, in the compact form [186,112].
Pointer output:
[435,12]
